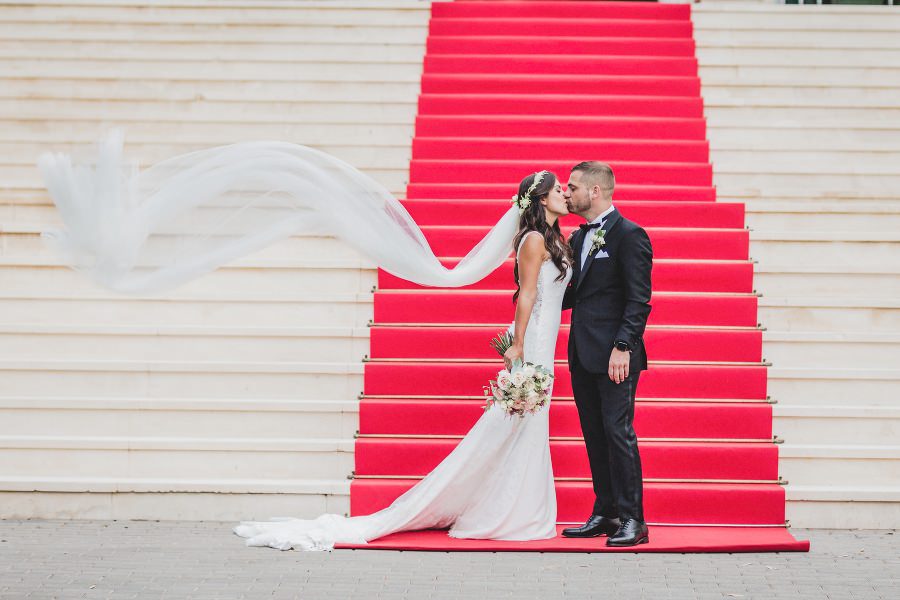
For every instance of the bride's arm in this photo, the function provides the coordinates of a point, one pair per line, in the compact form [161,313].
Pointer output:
[531,256]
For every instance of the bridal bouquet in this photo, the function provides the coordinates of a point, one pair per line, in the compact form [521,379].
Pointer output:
[523,389]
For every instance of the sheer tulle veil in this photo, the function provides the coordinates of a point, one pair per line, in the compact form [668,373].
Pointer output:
[145,232]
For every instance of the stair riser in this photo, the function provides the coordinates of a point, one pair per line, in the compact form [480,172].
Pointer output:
[472,308]
[181,347]
[544,127]
[834,253]
[832,284]
[475,172]
[859,430]
[183,313]
[734,277]
[832,354]
[138,383]
[502,46]
[786,317]
[207,424]
[697,345]
[725,504]
[648,214]
[560,105]
[541,27]
[464,148]
[806,391]
[658,460]
[660,381]
[176,464]
[652,419]
[854,472]
[460,83]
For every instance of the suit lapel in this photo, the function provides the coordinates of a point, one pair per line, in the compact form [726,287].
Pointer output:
[611,221]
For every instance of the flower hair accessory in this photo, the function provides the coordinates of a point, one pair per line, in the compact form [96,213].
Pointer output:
[524,201]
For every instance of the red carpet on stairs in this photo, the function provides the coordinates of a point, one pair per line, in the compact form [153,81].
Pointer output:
[506,92]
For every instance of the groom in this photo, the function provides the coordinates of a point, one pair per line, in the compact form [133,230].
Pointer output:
[609,295]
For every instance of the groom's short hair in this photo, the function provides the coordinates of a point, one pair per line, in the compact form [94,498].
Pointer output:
[594,172]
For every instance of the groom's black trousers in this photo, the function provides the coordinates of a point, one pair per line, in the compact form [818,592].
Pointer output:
[606,411]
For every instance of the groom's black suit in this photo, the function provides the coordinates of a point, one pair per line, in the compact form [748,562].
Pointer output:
[609,299]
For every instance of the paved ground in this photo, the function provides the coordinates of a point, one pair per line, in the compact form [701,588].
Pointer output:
[141,559]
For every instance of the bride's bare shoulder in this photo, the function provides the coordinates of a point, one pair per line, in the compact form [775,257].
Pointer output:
[531,247]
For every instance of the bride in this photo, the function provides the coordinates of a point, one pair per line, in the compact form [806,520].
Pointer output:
[498,482]
[146,232]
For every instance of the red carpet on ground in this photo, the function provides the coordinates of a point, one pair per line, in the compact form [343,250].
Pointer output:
[505,92]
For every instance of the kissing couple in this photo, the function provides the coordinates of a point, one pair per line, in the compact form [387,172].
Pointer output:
[144,232]
[498,482]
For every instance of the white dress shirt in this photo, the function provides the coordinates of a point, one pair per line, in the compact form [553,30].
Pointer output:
[586,246]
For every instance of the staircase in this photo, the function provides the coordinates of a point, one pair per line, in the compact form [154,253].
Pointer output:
[505,93]
[236,396]
[803,106]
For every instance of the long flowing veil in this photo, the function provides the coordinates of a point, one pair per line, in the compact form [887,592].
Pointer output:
[144,232]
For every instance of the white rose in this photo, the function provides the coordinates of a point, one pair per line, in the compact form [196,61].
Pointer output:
[518,378]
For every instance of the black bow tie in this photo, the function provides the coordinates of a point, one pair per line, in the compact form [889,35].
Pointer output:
[589,226]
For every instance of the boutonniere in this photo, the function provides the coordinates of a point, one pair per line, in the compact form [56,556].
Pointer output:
[598,240]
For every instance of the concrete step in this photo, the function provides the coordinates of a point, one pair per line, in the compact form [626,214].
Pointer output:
[734,185]
[791,161]
[65,416]
[106,498]
[834,386]
[322,13]
[884,75]
[816,349]
[203,89]
[227,282]
[812,56]
[176,458]
[748,16]
[830,313]
[797,96]
[787,135]
[858,466]
[803,280]
[231,33]
[367,158]
[790,39]
[327,310]
[826,505]
[764,215]
[301,51]
[851,424]
[349,111]
[835,249]
[410,70]
[814,116]
[40,341]
[179,379]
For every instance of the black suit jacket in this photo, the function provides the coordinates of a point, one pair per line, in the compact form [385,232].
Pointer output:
[610,297]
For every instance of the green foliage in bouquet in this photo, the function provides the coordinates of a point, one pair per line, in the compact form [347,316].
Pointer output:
[502,342]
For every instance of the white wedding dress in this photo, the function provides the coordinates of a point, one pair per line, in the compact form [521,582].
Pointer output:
[496,484]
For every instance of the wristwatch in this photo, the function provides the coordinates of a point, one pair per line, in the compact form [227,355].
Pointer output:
[622,346]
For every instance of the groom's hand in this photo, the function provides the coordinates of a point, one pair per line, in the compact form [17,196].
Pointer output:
[618,365]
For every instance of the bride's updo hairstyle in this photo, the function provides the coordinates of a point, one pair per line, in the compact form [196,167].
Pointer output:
[533,218]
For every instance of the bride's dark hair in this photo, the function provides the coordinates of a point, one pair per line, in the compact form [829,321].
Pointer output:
[534,219]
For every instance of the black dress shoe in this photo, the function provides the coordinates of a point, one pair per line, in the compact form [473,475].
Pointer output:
[631,533]
[596,525]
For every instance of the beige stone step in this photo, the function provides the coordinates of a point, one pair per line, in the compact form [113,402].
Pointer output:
[855,424]
[179,417]
[834,386]
[835,249]
[179,379]
[834,19]
[800,96]
[191,70]
[106,498]
[763,215]
[867,312]
[300,51]
[790,39]
[810,280]
[813,56]
[406,13]
[231,33]
[793,161]
[67,340]
[815,116]
[884,75]
[857,465]
[67,132]
[333,310]
[748,186]
[176,458]
[208,89]
[349,111]
[816,349]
